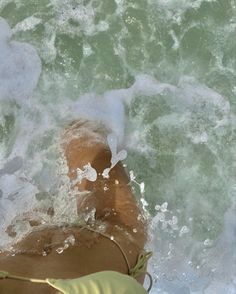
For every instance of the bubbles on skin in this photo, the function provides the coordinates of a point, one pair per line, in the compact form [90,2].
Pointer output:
[88,173]
[105,188]
[90,215]
[70,240]
[141,185]
[60,250]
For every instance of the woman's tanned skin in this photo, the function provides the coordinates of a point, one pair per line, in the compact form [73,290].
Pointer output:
[83,143]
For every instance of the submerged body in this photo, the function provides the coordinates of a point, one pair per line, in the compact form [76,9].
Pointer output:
[117,215]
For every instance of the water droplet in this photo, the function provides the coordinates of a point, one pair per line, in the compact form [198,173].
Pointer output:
[161,217]
[142,188]
[164,225]
[144,202]
[190,263]
[132,176]
[164,207]
[173,222]
[112,238]
[105,173]
[157,207]
[184,275]
[135,230]
[208,242]
[60,250]
[70,240]
[139,217]
[171,246]
[184,230]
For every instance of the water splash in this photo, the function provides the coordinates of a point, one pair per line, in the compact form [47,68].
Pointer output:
[115,157]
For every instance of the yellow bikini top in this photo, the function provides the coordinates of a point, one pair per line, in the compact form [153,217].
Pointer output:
[106,282]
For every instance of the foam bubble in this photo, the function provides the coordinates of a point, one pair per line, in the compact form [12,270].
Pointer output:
[88,173]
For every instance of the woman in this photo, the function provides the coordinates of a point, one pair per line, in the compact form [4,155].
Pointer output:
[111,242]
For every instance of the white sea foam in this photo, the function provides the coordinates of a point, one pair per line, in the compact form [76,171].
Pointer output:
[28,23]
[16,198]
[20,69]
[83,14]
[20,66]
[105,109]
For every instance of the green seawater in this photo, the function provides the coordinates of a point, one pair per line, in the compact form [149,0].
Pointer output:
[181,144]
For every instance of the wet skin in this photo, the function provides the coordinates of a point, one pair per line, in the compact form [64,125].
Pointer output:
[116,208]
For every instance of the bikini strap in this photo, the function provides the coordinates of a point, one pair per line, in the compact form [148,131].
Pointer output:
[140,267]
[6,275]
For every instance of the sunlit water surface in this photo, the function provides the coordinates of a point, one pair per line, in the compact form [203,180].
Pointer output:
[161,74]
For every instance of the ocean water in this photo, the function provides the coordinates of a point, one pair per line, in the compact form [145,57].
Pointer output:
[161,74]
